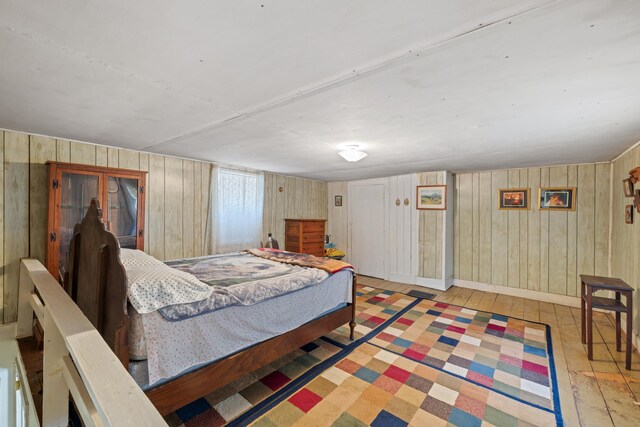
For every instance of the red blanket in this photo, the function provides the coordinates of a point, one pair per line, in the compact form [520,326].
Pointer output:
[329,265]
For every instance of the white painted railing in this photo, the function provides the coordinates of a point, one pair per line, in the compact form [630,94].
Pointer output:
[77,360]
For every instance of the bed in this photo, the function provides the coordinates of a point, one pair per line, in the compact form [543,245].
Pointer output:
[230,341]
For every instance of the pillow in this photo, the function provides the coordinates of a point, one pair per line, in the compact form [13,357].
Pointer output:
[135,258]
[151,284]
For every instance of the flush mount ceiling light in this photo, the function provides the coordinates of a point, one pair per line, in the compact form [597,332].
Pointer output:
[352,153]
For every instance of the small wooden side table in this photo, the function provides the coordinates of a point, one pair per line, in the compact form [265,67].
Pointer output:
[588,302]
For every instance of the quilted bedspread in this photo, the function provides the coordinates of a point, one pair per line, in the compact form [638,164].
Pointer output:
[239,279]
[329,265]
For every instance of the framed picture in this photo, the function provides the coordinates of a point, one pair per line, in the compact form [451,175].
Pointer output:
[636,200]
[628,214]
[513,198]
[338,200]
[557,198]
[431,197]
[628,187]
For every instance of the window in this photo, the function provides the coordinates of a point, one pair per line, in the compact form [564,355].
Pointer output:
[237,209]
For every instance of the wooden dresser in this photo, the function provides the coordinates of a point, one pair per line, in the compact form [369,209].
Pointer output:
[305,236]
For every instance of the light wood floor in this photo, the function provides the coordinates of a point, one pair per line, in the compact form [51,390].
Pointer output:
[592,393]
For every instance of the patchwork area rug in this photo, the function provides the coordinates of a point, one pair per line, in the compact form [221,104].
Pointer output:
[372,386]
[504,354]
[374,308]
[233,400]
[415,362]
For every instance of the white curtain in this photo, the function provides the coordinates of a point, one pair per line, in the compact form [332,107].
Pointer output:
[235,220]
[209,235]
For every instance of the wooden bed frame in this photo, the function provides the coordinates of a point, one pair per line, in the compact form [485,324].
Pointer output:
[97,283]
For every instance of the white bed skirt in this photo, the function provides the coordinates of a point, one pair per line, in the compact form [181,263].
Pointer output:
[173,348]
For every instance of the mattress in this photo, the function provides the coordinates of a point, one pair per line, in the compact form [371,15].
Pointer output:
[137,344]
[174,348]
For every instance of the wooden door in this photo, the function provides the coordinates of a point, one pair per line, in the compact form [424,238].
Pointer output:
[367,227]
[402,232]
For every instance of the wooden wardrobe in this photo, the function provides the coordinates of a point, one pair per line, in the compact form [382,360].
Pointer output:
[120,192]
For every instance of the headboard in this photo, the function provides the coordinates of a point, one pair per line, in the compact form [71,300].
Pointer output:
[97,280]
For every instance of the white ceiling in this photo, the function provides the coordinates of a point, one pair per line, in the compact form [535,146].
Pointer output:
[279,85]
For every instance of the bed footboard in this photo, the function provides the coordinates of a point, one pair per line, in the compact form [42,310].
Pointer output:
[352,323]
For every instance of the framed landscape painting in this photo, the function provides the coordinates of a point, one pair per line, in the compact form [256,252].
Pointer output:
[557,198]
[431,197]
[513,198]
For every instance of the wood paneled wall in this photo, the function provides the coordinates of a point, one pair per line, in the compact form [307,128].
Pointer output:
[300,198]
[430,233]
[625,238]
[177,205]
[537,250]
[177,202]
[177,194]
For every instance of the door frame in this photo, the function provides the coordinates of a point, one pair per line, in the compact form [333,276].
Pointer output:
[385,204]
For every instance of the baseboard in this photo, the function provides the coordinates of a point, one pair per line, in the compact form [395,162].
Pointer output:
[517,292]
[438,284]
[402,278]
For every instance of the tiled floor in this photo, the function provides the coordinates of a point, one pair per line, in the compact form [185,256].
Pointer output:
[593,393]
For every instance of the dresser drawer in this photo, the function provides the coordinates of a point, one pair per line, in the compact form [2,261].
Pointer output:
[293,229]
[313,238]
[312,248]
[315,252]
[292,247]
[310,227]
